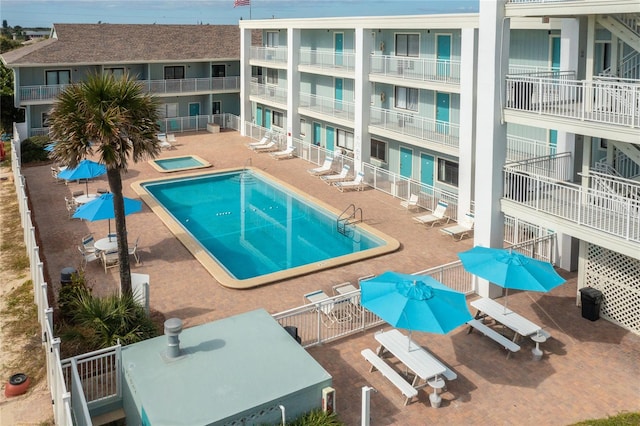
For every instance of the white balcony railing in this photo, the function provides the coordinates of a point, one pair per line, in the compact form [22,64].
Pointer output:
[608,101]
[426,129]
[328,59]
[519,148]
[418,69]
[185,85]
[269,54]
[328,106]
[269,92]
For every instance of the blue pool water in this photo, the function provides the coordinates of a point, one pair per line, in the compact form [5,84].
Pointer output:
[253,226]
[178,163]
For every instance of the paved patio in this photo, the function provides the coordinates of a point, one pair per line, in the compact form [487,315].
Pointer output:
[590,369]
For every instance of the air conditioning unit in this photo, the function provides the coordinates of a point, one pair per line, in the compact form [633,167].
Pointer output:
[328,399]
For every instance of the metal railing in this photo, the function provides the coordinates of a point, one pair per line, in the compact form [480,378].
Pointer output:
[412,125]
[328,106]
[269,92]
[418,69]
[603,100]
[519,148]
[269,54]
[558,167]
[327,59]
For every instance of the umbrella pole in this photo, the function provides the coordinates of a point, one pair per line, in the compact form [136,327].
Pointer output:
[506,297]
[109,234]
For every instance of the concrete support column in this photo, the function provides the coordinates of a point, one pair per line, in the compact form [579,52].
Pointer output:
[362,88]
[491,146]
[293,85]
[246,113]
[466,158]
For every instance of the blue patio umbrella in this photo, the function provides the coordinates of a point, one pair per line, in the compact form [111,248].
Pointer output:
[414,302]
[102,208]
[86,169]
[510,269]
[49,147]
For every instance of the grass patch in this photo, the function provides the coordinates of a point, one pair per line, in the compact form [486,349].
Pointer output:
[13,250]
[622,419]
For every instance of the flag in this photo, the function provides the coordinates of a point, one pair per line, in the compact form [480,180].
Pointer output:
[237,3]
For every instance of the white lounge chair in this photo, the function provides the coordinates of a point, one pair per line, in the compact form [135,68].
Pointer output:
[269,147]
[411,203]
[133,251]
[285,153]
[462,229]
[171,138]
[86,257]
[342,176]
[165,144]
[265,140]
[437,217]
[325,169]
[353,185]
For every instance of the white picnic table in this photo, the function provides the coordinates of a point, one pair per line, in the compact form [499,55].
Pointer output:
[519,324]
[84,199]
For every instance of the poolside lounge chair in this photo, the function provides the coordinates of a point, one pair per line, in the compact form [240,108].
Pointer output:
[269,147]
[171,138]
[342,176]
[411,203]
[286,153]
[165,144]
[265,140]
[325,169]
[436,217]
[133,251]
[332,312]
[462,229]
[353,185]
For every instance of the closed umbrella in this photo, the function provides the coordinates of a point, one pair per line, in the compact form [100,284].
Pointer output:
[414,302]
[510,269]
[102,208]
[86,169]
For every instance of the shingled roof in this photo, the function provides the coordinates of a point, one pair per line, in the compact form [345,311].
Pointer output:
[126,43]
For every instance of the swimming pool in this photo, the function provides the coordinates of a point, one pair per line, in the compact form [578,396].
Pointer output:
[249,229]
[176,164]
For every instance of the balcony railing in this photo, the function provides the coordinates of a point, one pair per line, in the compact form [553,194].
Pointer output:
[426,129]
[269,92]
[328,106]
[328,59]
[269,54]
[185,85]
[417,69]
[519,148]
[608,101]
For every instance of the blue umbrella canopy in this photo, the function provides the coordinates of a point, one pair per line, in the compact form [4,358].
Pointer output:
[86,169]
[414,302]
[102,208]
[49,147]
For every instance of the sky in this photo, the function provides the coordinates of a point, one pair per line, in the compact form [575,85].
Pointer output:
[43,13]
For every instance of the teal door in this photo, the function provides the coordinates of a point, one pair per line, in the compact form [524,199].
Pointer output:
[553,141]
[338,47]
[442,112]
[555,53]
[426,169]
[267,118]
[194,112]
[443,42]
[329,135]
[338,94]
[406,167]
[259,116]
[317,133]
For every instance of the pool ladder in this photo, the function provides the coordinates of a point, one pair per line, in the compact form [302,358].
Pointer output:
[349,217]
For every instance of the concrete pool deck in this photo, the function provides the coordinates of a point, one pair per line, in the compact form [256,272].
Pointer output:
[590,369]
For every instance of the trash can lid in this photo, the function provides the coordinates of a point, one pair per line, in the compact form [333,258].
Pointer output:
[594,293]
[66,273]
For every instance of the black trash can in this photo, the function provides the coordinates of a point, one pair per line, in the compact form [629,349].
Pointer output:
[66,275]
[590,299]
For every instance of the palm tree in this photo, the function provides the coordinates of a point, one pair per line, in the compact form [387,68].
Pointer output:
[115,119]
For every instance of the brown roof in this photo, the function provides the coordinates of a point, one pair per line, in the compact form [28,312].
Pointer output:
[126,43]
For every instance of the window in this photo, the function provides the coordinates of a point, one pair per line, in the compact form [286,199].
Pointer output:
[448,172]
[174,73]
[408,45]
[345,139]
[116,72]
[303,128]
[277,119]
[218,70]
[272,39]
[54,77]
[272,76]
[168,110]
[379,150]
[406,98]
[216,107]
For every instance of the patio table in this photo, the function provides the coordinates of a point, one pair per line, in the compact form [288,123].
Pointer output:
[519,324]
[106,244]
[84,199]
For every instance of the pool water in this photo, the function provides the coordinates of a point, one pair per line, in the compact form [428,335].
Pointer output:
[258,230]
[173,164]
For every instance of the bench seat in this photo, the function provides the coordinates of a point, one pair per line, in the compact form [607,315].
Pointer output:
[494,335]
[392,375]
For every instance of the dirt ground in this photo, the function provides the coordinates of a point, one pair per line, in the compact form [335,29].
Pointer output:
[34,407]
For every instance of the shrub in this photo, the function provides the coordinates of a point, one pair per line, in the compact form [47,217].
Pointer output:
[32,149]
[317,418]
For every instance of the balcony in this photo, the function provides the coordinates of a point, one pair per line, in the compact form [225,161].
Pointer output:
[327,60]
[606,212]
[182,86]
[519,148]
[605,104]
[416,69]
[273,55]
[407,124]
[269,93]
[327,106]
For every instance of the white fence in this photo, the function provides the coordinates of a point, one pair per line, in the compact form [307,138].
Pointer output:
[328,59]
[419,69]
